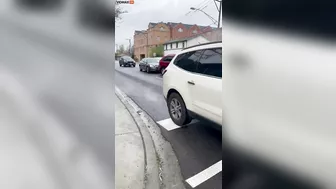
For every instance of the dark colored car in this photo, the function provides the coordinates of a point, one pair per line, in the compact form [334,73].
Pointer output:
[164,62]
[150,64]
[126,61]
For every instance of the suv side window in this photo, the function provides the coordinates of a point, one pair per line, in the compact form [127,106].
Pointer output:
[188,61]
[210,63]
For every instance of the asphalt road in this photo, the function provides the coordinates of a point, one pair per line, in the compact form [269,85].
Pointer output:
[197,147]
[78,89]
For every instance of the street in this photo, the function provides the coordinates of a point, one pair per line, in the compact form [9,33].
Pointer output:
[197,146]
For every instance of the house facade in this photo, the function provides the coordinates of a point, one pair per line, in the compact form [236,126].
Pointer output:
[159,33]
[140,44]
[175,46]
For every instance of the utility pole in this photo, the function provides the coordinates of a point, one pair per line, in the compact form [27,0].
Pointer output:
[219,13]
[129,47]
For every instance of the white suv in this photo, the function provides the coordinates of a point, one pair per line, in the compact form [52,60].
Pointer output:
[192,84]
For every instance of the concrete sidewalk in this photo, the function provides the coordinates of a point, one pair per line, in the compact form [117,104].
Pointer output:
[129,151]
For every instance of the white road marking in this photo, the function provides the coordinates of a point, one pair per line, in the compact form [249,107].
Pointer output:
[159,78]
[168,124]
[205,174]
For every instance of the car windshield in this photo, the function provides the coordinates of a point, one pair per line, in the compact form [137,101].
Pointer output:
[128,58]
[153,60]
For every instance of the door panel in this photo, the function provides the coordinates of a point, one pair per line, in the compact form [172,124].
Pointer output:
[207,88]
[279,92]
[207,97]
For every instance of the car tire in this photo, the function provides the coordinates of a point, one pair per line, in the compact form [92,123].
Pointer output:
[140,69]
[147,69]
[178,112]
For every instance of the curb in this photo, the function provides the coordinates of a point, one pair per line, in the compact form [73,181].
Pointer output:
[151,180]
[162,170]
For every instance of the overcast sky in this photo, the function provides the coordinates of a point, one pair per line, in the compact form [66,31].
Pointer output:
[144,11]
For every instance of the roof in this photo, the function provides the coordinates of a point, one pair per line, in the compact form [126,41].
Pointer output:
[183,39]
[173,24]
[202,44]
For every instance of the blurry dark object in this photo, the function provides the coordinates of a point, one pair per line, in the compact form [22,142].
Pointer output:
[279,93]
[304,16]
[40,4]
[97,13]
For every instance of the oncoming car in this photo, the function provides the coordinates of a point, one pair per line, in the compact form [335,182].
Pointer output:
[126,61]
[192,84]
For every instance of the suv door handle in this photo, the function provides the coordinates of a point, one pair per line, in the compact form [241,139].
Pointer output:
[191,82]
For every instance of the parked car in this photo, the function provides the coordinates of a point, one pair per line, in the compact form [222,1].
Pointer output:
[192,84]
[150,64]
[126,61]
[279,89]
[164,62]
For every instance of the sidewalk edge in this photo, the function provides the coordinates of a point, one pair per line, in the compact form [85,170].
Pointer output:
[168,168]
[151,176]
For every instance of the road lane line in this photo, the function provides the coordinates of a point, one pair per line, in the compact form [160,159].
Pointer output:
[168,124]
[159,78]
[206,174]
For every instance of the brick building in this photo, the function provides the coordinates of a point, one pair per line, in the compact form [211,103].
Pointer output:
[159,33]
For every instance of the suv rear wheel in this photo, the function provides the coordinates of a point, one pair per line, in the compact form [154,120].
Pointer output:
[177,110]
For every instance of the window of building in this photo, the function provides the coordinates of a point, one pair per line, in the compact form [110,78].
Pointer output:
[194,32]
[158,38]
[176,45]
[161,29]
[210,63]
[188,61]
[171,45]
[183,45]
[180,30]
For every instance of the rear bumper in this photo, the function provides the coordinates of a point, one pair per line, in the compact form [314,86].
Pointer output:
[129,64]
[154,69]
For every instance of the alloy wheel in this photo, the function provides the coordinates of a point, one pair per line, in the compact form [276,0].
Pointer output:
[176,109]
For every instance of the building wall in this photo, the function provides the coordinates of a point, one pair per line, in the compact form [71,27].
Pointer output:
[171,48]
[191,30]
[158,34]
[140,44]
[172,51]
[214,35]
[176,34]
[196,41]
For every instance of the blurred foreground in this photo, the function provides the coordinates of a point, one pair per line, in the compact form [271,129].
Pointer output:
[56,90]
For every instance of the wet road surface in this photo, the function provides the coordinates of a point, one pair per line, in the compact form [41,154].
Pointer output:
[197,147]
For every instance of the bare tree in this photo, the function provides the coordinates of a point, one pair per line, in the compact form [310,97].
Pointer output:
[119,11]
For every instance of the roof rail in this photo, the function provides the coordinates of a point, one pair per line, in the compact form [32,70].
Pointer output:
[209,43]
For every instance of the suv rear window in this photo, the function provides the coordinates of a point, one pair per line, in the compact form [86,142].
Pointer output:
[210,62]
[307,16]
[188,61]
